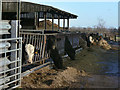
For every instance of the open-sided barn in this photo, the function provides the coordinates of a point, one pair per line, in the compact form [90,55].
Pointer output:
[30,13]
[20,28]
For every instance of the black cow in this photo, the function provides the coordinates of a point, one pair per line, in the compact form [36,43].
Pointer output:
[54,54]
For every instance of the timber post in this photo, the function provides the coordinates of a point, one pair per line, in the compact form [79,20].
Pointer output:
[45,27]
[58,22]
[52,22]
[36,20]
[68,23]
[63,24]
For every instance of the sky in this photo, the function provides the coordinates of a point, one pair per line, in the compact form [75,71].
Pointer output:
[88,13]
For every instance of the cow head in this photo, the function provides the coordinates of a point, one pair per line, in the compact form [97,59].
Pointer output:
[30,52]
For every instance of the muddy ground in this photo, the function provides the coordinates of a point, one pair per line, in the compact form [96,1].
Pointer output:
[93,68]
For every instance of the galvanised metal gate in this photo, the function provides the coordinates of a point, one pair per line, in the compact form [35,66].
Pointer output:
[10,56]
[10,70]
[38,40]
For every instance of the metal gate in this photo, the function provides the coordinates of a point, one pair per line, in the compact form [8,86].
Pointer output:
[10,70]
[10,57]
[38,40]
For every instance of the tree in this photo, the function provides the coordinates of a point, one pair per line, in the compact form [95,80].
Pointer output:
[101,23]
[101,26]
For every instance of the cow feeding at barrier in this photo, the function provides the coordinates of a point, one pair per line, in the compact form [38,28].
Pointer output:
[28,53]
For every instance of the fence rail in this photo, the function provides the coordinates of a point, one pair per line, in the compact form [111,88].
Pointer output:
[39,42]
[10,70]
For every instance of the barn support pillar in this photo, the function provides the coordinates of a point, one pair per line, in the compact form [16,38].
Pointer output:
[58,23]
[36,20]
[68,23]
[18,15]
[63,24]
[52,22]
[45,21]
[14,34]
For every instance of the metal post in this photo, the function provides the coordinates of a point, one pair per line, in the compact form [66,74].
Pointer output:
[45,20]
[63,24]
[52,22]
[18,15]
[14,34]
[58,23]
[0,13]
[14,31]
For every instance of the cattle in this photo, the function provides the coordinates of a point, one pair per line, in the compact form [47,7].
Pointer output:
[85,37]
[54,54]
[82,43]
[28,53]
[91,39]
[69,49]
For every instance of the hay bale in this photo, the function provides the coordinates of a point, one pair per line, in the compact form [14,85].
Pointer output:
[103,43]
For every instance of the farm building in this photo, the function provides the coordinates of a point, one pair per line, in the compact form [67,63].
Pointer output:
[20,26]
[30,13]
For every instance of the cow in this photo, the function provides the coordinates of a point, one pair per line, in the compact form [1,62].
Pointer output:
[28,53]
[54,54]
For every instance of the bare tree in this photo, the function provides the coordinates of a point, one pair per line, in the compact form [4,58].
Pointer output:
[101,23]
[101,26]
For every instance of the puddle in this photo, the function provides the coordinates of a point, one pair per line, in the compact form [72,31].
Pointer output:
[109,67]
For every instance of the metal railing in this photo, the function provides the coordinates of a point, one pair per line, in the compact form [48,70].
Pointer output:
[39,42]
[10,69]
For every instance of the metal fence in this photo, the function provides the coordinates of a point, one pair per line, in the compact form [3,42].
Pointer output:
[10,55]
[38,40]
[10,70]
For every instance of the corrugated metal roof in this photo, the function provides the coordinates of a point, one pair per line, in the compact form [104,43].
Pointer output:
[27,7]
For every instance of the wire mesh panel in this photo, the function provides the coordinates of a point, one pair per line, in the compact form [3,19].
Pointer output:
[10,70]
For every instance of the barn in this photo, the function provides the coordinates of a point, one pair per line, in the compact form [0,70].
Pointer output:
[20,25]
[31,13]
